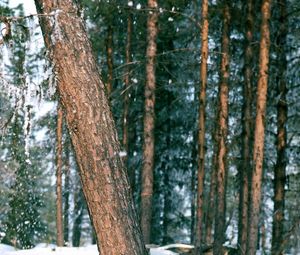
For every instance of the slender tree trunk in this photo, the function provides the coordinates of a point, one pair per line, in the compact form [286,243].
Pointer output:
[220,215]
[78,215]
[59,206]
[212,192]
[67,192]
[149,114]
[92,129]
[282,110]
[109,59]
[126,92]
[193,189]
[247,136]
[167,191]
[258,148]
[201,125]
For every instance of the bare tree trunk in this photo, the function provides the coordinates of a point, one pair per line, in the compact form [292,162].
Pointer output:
[78,215]
[282,111]
[201,124]
[126,92]
[149,114]
[109,59]
[219,234]
[59,206]
[258,148]
[92,129]
[247,134]
[212,192]
[67,191]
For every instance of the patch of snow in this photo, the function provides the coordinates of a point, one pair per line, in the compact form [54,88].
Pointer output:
[45,249]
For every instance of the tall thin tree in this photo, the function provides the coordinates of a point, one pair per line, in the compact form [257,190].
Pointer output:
[126,97]
[201,125]
[149,115]
[219,233]
[282,111]
[259,133]
[59,201]
[66,192]
[247,134]
[92,129]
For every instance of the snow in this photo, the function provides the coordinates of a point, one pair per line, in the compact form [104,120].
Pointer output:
[46,249]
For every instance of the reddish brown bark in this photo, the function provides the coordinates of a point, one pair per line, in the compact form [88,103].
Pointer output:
[201,126]
[59,206]
[92,129]
[219,233]
[149,115]
[282,111]
[109,59]
[258,148]
[247,134]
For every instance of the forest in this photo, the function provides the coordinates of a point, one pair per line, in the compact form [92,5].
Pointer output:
[150,127]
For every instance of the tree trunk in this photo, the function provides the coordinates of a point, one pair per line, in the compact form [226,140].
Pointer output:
[67,191]
[78,215]
[212,192]
[126,92]
[258,148]
[59,211]
[201,125]
[92,129]
[282,110]
[247,135]
[109,59]
[148,150]
[219,234]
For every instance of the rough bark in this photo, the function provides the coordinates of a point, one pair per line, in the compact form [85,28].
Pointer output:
[92,129]
[259,133]
[201,126]
[66,191]
[247,136]
[282,111]
[109,59]
[59,204]
[219,233]
[149,115]
[126,95]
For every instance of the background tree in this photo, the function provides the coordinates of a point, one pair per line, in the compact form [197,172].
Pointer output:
[258,148]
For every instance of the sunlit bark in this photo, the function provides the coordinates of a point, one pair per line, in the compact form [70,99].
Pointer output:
[259,135]
[92,129]
[149,114]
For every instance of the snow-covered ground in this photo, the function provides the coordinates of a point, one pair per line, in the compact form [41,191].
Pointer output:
[43,249]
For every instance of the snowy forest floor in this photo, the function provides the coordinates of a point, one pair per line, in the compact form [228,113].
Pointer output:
[48,249]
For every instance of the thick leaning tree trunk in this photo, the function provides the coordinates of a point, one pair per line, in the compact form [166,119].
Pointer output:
[201,125]
[92,129]
[59,199]
[220,213]
[259,134]
[149,114]
[247,134]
